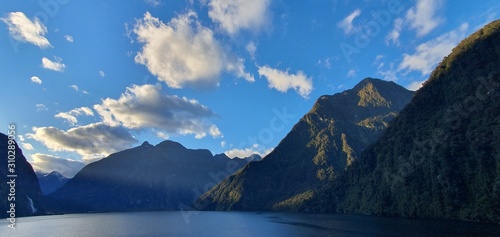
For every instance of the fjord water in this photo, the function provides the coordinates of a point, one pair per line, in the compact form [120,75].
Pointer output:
[234,224]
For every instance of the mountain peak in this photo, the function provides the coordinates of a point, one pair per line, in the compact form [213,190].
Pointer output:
[169,144]
[146,144]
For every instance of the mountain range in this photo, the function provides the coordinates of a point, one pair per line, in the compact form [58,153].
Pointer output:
[374,149]
[317,150]
[50,182]
[167,176]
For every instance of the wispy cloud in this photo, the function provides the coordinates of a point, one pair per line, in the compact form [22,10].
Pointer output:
[146,107]
[393,36]
[236,15]
[41,107]
[71,115]
[25,30]
[428,54]
[68,38]
[184,53]
[423,16]
[102,74]
[56,65]
[347,23]
[283,80]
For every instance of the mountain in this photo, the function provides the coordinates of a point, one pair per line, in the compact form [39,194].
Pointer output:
[440,158]
[50,182]
[167,176]
[316,151]
[21,189]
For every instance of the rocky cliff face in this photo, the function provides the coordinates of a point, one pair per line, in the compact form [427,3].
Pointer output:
[24,185]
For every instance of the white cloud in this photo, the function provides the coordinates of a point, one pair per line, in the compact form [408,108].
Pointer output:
[236,15]
[102,74]
[423,17]
[415,85]
[223,144]
[56,65]
[41,107]
[351,73]
[68,38]
[246,152]
[23,29]
[71,115]
[153,3]
[184,53]
[162,135]
[283,81]
[48,163]
[389,74]
[346,23]
[74,87]
[146,107]
[36,80]
[91,141]
[27,146]
[430,53]
[396,32]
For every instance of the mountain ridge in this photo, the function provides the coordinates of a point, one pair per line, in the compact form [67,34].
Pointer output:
[322,143]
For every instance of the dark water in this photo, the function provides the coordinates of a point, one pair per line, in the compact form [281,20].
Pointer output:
[234,224]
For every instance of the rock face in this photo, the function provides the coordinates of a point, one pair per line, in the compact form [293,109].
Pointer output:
[51,182]
[163,177]
[27,191]
[440,157]
[315,152]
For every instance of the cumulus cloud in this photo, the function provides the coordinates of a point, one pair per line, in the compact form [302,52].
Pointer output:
[48,163]
[92,141]
[283,80]
[36,80]
[25,30]
[102,74]
[68,38]
[56,65]
[422,17]
[71,115]
[346,24]
[146,107]
[236,15]
[183,53]
[246,152]
[430,53]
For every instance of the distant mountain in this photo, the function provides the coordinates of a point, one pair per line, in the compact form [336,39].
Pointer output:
[50,182]
[25,187]
[316,151]
[440,158]
[167,176]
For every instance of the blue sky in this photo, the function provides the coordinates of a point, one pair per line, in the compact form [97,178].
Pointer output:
[83,79]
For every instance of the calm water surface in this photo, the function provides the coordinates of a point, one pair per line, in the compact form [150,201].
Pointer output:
[234,224]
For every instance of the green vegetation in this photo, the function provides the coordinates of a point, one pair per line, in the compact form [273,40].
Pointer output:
[440,158]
